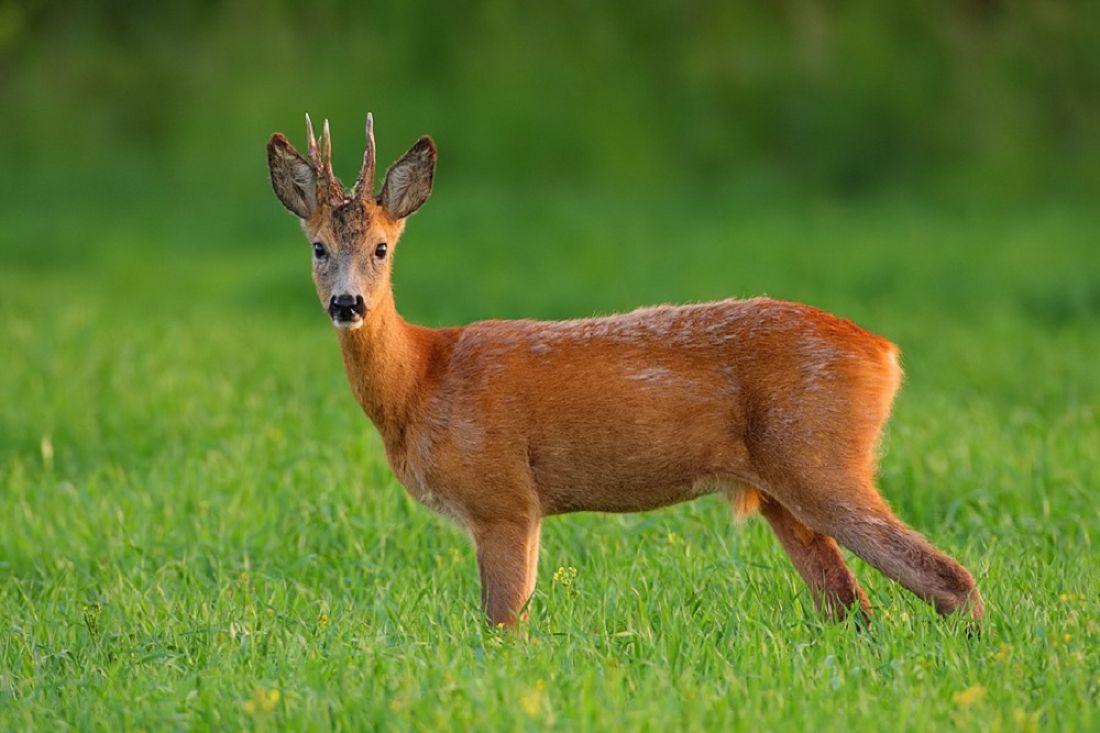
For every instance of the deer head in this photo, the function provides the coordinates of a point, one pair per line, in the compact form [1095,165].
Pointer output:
[352,234]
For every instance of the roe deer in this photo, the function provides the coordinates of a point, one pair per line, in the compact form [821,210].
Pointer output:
[498,424]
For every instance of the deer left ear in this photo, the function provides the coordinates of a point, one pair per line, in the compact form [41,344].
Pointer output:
[294,180]
[409,181]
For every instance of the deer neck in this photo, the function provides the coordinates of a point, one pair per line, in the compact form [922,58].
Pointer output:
[387,361]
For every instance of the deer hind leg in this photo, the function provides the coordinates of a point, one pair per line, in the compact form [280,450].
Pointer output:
[504,560]
[861,521]
[817,559]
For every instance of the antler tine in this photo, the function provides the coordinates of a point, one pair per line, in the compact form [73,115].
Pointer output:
[320,158]
[326,148]
[365,183]
[314,157]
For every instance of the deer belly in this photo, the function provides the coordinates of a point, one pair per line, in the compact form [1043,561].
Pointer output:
[634,467]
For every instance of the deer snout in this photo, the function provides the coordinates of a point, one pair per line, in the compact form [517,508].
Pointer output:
[347,310]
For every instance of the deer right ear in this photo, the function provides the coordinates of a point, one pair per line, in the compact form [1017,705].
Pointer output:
[294,180]
[409,181]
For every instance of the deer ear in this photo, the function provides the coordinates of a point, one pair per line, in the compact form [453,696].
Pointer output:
[294,180]
[409,180]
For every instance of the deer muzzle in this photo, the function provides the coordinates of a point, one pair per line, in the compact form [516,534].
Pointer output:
[347,311]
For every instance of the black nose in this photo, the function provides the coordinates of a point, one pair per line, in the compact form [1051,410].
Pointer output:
[346,307]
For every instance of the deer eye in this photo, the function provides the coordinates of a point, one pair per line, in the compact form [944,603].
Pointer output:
[380,250]
[319,251]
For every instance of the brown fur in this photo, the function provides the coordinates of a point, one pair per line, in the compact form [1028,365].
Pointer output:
[500,423]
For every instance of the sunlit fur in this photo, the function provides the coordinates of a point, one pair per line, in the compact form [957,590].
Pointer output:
[497,424]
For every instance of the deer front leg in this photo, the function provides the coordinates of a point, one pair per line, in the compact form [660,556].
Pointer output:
[505,552]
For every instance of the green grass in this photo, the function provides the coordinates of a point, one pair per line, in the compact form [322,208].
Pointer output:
[196,514]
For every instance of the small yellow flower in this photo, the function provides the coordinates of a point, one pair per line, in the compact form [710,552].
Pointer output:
[1065,597]
[535,701]
[969,696]
[1067,638]
[565,576]
[322,620]
[1025,721]
[262,701]
[1003,652]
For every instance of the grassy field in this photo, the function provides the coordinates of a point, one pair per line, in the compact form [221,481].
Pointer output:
[200,530]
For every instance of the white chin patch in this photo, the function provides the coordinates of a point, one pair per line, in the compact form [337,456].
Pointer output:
[347,325]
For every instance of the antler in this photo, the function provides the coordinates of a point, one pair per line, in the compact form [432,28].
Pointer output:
[314,158]
[326,150]
[364,184]
[320,158]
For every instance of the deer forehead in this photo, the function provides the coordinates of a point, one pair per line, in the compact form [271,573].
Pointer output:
[350,223]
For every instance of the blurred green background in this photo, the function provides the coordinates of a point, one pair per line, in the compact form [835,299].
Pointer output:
[136,130]
[197,512]
[991,98]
